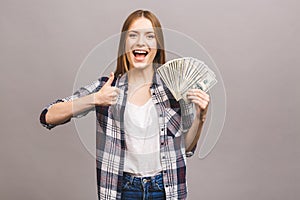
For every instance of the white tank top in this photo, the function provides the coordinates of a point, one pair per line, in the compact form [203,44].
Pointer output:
[142,155]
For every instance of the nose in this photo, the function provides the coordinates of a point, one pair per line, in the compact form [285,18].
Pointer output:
[141,41]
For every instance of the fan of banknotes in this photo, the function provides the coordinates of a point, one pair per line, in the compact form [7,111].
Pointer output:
[182,74]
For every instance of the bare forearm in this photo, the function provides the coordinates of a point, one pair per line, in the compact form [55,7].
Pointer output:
[63,111]
[201,101]
[193,135]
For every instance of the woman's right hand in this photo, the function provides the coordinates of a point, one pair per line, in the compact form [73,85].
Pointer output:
[60,112]
[107,95]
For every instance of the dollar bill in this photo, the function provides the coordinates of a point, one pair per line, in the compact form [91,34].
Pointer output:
[182,74]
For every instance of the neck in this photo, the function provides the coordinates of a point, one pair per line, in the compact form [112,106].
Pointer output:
[140,76]
[139,82]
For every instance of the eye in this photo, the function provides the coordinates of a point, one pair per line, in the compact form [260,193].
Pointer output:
[150,36]
[132,35]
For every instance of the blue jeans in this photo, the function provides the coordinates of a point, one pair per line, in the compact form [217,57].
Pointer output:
[143,188]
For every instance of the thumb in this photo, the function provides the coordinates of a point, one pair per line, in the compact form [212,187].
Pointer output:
[111,79]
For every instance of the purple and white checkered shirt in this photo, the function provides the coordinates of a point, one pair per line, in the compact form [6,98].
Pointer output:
[175,118]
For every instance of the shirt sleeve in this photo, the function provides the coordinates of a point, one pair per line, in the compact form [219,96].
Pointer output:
[81,92]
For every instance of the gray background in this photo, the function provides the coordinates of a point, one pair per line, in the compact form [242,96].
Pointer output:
[254,43]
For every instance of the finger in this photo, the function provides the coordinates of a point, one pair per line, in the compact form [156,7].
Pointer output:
[198,91]
[111,79]
[199,101]
[117,90]
[114,92]
[195,95]
[114,101]
[202,104]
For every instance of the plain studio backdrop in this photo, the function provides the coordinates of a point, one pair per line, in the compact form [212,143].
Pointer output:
[255,45]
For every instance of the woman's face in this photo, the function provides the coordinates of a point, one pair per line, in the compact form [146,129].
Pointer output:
[140,45]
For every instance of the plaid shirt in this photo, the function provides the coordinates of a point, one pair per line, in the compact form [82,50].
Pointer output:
[175,118]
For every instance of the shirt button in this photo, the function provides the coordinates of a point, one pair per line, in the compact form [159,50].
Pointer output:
[162,129]
[164,157]
[162,143]
[165,171]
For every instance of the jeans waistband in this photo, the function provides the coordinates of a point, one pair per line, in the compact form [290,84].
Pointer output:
[133,178]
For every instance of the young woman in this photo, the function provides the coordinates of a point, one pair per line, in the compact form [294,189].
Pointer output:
[143,134]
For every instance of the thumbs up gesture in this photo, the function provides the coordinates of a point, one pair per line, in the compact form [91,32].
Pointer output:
[107,95]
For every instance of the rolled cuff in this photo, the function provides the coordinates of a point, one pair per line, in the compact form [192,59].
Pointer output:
[43,116]
[191,152]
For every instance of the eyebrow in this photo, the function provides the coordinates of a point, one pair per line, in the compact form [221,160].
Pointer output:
[139,31]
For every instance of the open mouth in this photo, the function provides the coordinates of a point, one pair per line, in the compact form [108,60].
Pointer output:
[140,53]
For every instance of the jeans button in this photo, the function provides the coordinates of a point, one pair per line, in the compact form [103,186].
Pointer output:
[144,180]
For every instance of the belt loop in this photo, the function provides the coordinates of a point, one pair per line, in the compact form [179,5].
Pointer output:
[153,180]
[131,179]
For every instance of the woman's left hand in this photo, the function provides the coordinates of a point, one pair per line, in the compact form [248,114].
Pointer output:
[201,101]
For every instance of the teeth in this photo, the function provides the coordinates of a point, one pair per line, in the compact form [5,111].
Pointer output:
[139,51]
